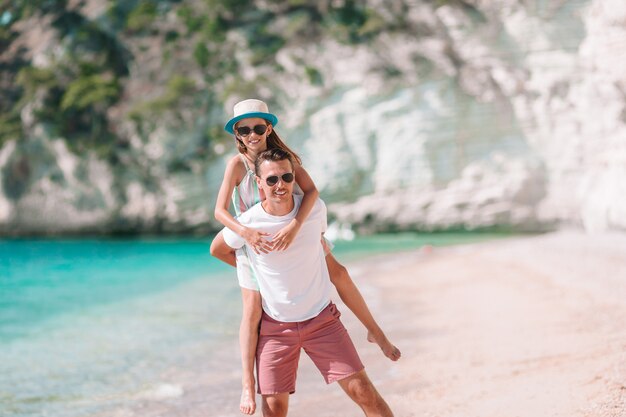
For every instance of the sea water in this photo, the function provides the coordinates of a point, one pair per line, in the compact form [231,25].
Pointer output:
[129,327]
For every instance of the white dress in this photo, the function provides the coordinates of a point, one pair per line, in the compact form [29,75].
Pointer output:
[245,195]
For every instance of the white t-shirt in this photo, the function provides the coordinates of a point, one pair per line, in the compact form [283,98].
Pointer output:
[294,283]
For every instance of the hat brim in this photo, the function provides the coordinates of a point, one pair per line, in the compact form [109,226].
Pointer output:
[267,116]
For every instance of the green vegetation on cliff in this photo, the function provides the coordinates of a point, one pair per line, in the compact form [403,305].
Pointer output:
[97,73]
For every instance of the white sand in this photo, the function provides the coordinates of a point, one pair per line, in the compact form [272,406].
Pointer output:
[526,327]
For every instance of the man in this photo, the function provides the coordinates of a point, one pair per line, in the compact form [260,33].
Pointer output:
[295,289]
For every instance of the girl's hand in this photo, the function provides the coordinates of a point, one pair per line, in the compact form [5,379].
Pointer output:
[286,235]
[257,240]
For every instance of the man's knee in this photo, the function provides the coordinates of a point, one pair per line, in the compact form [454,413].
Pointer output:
[275,405]
[362,391]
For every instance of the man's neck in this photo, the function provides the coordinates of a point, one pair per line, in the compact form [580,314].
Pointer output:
[281,208]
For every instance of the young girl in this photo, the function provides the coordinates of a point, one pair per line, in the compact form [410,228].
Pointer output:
[253,127]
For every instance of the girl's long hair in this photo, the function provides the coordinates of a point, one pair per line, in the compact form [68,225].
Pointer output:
[273,142]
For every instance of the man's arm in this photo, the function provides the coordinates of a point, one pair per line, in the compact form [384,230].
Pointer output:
[223,252]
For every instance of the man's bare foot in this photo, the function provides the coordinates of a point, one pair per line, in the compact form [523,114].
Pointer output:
[385,345]
[247,404]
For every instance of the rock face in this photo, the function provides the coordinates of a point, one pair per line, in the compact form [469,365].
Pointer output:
[509,115]
[52,190]
[517,119]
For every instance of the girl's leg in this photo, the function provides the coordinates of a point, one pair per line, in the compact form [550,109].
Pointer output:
[248,330]
[248,337]
[352,298]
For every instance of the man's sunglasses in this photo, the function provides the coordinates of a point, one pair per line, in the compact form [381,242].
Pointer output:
[245,130]
[273,179]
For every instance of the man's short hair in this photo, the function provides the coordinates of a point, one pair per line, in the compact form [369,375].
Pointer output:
[275,154]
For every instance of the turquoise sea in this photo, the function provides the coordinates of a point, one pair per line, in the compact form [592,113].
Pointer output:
[114,327]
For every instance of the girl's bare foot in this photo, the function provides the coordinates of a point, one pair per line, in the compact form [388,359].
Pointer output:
[385,345]
[247,405]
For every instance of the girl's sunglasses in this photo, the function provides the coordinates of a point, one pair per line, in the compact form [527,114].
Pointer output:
[273,179]
[244,131]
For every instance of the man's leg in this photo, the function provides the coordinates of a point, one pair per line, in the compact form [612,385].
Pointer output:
[275,405]
[362,391]
[329,346]
[278,353]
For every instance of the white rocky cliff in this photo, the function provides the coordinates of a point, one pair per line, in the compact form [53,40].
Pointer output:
[510,116]
[517,120]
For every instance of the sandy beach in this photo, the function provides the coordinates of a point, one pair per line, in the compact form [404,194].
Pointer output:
[518,327]
[513,328]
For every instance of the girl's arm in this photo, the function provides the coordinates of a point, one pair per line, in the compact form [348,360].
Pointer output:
[285,236]
[254,238]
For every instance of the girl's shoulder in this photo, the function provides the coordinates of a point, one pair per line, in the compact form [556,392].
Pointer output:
[236,166]
[236,161]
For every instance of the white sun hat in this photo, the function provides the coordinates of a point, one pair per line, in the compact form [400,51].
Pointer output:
[250,108]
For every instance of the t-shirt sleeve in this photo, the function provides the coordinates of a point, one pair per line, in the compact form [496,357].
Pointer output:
[232,239]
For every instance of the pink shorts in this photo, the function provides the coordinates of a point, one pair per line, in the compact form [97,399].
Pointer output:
[323,338]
